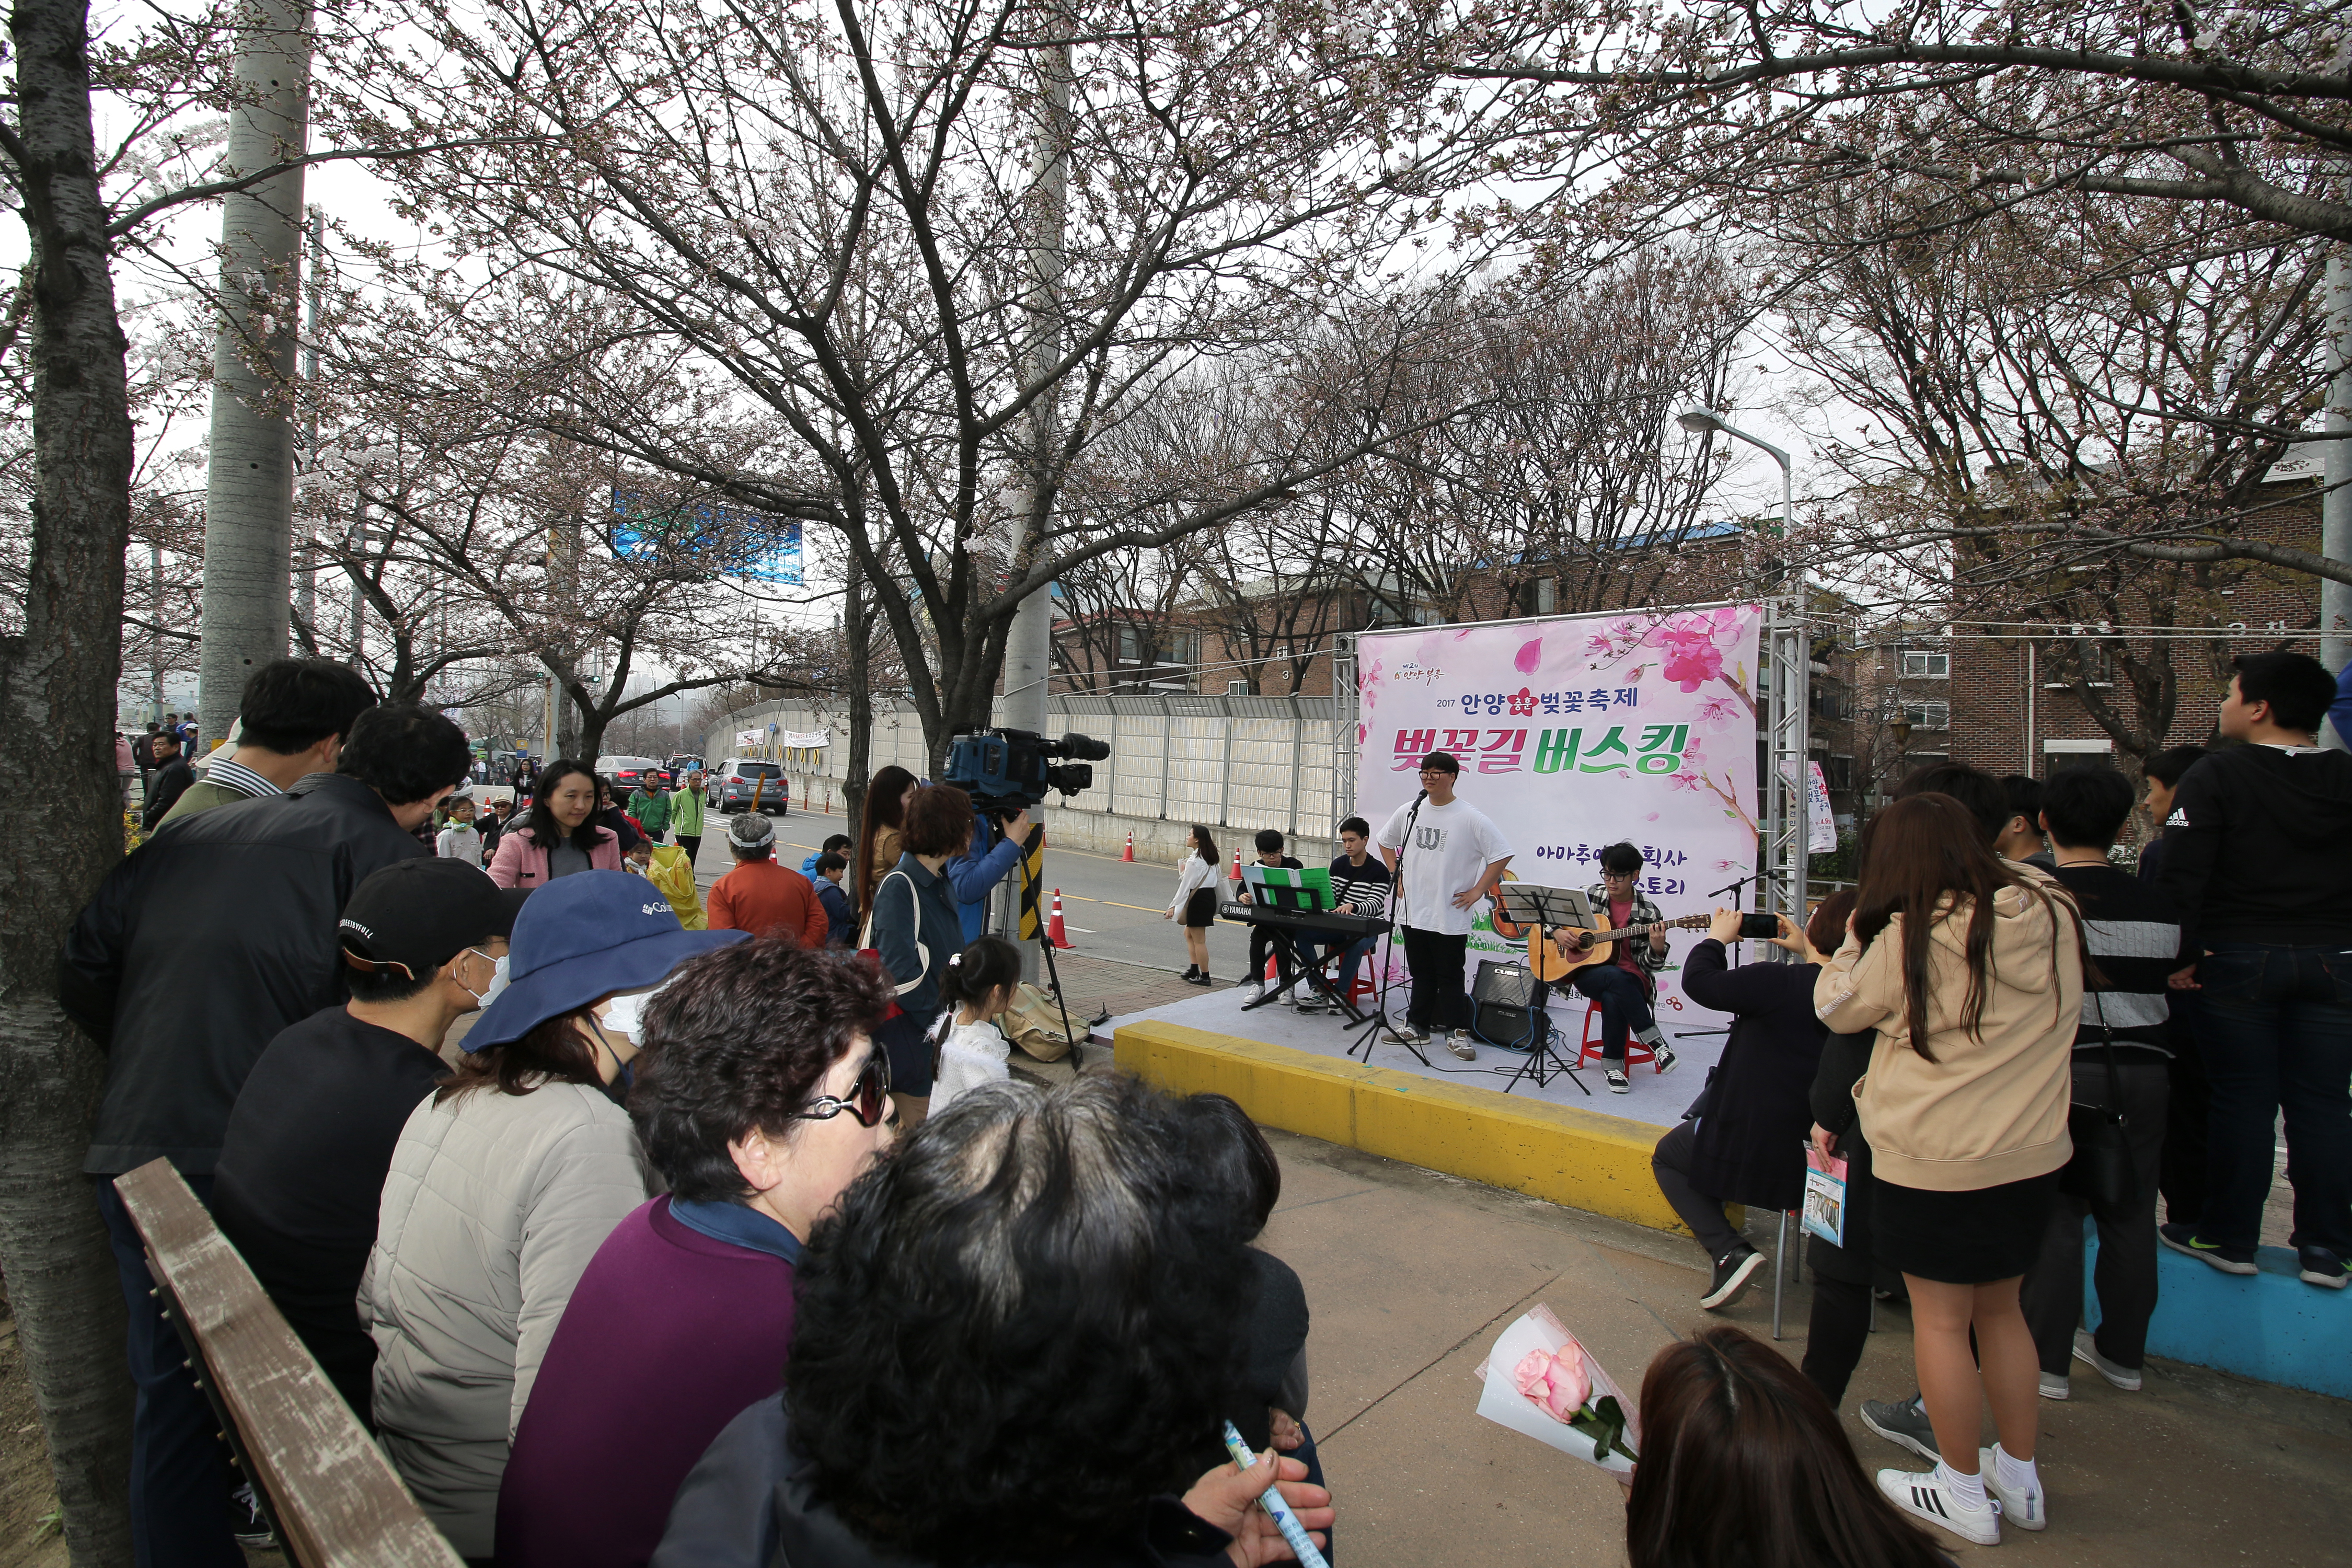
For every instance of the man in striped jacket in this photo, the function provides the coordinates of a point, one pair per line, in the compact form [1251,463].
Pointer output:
[2134,939]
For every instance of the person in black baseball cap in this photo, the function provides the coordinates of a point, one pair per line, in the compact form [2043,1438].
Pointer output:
[309,1139]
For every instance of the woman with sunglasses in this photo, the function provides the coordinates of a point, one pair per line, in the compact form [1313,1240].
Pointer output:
[760,1096]
[504,1183]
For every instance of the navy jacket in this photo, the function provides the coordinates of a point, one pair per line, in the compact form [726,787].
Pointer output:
[205,944]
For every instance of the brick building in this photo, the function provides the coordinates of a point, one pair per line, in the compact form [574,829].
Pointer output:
[2112,663]
[1275,636]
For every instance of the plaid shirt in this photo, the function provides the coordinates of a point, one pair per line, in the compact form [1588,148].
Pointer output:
[1644,914]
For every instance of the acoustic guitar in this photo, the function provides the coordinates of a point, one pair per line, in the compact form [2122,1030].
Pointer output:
[1551,963]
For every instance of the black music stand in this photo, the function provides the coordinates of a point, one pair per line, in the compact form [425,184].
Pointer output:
[1540,907]
[1293,898]
[1291,969]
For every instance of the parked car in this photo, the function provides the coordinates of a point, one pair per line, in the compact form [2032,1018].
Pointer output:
[734,782]
[628,773]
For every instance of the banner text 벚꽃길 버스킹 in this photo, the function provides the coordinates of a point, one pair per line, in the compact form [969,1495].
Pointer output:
[1576,732]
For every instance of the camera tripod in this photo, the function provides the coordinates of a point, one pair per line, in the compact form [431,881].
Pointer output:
[1033,884]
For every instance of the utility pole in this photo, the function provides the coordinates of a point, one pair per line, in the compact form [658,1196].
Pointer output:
[359,544]
[305,554]
[155,640]
[249,486]
[2336,503]
[1028,652]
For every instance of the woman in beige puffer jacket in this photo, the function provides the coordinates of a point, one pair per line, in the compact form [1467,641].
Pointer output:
[1972,975]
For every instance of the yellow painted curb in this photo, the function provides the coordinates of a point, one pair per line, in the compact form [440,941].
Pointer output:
[1580,1159]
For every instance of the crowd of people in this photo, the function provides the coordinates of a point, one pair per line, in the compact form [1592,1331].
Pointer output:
[741,1245]
[2005,1034]
[2000,1032]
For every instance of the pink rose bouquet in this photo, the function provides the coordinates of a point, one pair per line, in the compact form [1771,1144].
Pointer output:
[1555,1381]
[1559,1383]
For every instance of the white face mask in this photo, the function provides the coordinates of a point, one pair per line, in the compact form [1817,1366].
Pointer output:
[498,980]
[626,1012]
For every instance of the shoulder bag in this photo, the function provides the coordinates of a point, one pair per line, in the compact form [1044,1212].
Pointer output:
[2101,1171]
[871,954]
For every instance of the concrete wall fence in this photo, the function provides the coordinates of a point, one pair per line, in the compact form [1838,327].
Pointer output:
[1234,764]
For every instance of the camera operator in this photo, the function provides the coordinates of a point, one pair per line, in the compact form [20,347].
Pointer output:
[997,840]
[1743,1141]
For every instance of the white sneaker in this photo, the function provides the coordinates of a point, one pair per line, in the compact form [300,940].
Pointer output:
[1921,1495]
[1616,1080]
[1665,1054]
[2025,1508]
[2054,1385]
[1458,1042]
[2086,1349]
[1407,1034]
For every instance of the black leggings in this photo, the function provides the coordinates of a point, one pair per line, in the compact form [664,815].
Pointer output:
[1834,1334]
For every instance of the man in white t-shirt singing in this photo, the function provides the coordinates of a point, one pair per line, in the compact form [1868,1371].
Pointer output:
[1452,856]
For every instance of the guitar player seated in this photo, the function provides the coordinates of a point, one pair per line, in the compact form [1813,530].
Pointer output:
[1624,986]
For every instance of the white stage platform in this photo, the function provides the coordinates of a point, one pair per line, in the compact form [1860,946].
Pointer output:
[1656,1099]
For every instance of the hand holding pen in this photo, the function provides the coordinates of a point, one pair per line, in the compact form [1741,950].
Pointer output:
[1265,1505]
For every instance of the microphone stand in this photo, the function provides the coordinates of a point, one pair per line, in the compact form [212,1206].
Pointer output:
[1380,1018]
[1737,889]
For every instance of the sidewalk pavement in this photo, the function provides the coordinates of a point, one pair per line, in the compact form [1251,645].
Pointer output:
[1411,1276]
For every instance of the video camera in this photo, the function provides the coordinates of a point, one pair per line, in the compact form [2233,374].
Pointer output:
[1005,771]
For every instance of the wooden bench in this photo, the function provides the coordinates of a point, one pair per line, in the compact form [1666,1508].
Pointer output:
[329,1491]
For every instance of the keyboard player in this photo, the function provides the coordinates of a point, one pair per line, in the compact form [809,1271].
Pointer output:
[1359,885]
[1269,854]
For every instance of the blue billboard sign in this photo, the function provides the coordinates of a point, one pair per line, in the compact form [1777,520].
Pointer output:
[732,540]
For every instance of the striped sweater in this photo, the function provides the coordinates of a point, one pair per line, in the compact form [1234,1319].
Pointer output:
[2134,939]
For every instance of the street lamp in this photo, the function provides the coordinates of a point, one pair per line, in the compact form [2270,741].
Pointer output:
[1699,421]
[1791,655]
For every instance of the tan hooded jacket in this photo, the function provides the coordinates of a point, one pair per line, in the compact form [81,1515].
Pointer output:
[1991,1107]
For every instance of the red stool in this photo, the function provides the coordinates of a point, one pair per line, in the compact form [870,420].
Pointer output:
[1362,988]
[1590,1048]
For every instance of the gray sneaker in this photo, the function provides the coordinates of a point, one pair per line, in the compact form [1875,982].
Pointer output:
[1903,1422]
[1407,1034]
[1458,1042]
[2086,1350]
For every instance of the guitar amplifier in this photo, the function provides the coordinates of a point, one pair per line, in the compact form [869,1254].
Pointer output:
[1503,1003]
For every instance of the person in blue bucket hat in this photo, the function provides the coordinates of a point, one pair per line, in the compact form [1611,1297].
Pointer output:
[504,1184]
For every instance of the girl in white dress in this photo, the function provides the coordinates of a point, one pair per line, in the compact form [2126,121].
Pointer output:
[977,988]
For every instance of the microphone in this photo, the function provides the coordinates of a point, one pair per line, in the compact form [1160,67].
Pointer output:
[1422,796]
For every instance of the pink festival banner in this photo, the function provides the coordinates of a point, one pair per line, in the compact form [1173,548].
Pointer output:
[1574,732]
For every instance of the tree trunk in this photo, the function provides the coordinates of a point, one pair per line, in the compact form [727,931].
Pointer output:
[249,482]
[588,731]
[56,692]
[858,632]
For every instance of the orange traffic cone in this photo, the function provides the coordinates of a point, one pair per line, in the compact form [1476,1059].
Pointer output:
[1130,845]
[1238,862]
[1054,931]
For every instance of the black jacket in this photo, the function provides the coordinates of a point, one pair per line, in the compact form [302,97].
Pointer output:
[2259,848]
[750,1503]
[1751,1138]
[1844,1058]
[170,782]
[614,817]
[204,943]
